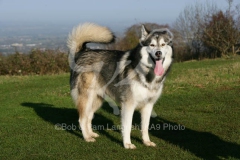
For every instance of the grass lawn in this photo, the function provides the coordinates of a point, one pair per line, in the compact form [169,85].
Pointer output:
[198,118]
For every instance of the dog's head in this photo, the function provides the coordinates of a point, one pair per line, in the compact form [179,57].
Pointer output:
[158,45]
[157,42]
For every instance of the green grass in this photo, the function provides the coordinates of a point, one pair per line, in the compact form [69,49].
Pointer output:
[203,98]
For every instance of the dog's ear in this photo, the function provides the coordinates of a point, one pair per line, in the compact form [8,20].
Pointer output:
[170,35]
[144,33]
[170,43]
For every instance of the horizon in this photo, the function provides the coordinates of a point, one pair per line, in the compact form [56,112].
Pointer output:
[46,24]
[117,15]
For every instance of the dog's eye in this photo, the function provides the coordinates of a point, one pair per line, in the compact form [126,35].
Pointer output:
[152,45]
[163,44]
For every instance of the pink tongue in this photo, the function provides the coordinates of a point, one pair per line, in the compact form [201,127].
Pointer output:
[158,70]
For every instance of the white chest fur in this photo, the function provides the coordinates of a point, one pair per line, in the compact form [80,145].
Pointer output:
[142,94]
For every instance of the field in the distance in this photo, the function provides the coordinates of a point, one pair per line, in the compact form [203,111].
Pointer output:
[198,118]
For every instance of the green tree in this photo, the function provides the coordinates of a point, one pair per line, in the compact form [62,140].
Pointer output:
[221,34]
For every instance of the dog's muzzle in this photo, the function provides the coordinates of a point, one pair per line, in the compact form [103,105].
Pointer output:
[158,54]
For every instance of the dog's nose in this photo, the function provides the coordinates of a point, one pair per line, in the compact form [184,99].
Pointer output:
[158,53]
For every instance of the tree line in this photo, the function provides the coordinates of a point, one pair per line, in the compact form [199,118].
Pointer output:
[200,31]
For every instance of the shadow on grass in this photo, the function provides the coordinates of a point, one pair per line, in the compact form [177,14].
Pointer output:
[202,144]
[69,117]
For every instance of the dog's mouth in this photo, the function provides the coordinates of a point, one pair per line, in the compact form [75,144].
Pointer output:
[158,70]
[159,58]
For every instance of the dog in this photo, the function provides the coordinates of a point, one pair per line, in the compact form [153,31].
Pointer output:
[134,79]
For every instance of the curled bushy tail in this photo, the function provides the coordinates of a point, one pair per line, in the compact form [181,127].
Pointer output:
[86,33]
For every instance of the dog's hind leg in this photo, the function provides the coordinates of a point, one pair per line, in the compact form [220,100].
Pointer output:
[145,116]
[84,108]
[97,102]
[85,103]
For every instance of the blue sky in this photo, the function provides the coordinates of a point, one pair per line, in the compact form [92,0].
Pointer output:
[116,12]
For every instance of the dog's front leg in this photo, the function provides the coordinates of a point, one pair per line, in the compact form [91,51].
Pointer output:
[127,115]
[145,115]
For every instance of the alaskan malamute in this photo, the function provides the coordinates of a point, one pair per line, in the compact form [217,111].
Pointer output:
[134,78]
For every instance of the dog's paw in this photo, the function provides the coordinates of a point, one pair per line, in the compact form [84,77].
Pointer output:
[129,146]
[90,139]
[149,143]
[94,135]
